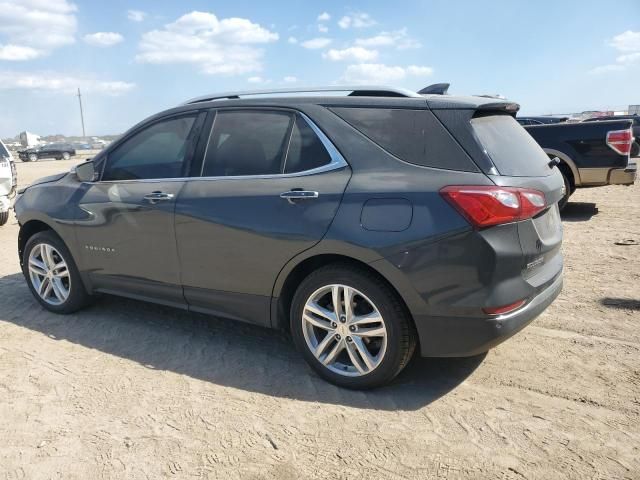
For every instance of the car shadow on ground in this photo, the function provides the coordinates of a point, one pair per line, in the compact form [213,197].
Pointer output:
[221,351]
[621,303]
[578,211]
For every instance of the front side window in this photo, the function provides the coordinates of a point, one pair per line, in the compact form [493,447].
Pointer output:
[158,151]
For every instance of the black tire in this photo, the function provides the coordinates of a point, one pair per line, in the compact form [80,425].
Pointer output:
[32,157]
[567,191]
[78,297]
[4,217]
[66,156]
[401,335]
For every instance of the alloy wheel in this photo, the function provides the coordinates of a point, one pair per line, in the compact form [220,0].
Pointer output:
[344,330]
[49,274]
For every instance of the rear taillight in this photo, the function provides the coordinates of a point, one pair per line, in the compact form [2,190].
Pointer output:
[620,141]
[485,206]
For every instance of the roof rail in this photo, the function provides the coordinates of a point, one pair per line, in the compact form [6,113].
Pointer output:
[355,91]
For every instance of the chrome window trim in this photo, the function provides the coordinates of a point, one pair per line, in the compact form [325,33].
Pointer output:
[337,162]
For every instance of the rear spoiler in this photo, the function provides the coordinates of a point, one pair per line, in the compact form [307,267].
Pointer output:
[508,107]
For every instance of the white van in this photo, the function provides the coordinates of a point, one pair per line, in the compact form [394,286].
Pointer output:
[8,182]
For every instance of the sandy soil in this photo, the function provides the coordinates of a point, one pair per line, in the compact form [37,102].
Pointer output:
[130,390]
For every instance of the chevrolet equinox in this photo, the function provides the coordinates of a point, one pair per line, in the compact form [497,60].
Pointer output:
[369,223]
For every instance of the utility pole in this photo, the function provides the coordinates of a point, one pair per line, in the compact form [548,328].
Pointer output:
[81,113]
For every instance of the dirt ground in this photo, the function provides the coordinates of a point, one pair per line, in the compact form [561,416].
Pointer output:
[130,390]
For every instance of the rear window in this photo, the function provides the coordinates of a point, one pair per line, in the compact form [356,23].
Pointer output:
[511,149]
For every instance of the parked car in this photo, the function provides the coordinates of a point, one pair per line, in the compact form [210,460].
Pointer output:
[635,148]
[369,225]
[82,146]
[8,181]
[590,154]
[543,120]
[59,151]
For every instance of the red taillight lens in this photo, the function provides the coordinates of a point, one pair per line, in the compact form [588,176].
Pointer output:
[485,206]
[620,141]
[504,309]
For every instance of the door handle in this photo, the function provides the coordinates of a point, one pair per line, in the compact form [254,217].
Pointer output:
[155,197]
[293,195]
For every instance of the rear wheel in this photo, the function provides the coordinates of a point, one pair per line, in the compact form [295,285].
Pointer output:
[66,155]
[52,275]
[351,327]
[567,190]
[4,217]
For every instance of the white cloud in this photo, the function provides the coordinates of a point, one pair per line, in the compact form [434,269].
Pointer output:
[358,54]
[256,79]
[377,73]
[629,59]
[292,40]
[227,46]
[626,42]
[606,69]
[54,81]
[324,17]
[322,28]
[17,53]
[290,79]
[103,39]
[34,28]
[356,20]
[136,15]
[398,39]
[316,43]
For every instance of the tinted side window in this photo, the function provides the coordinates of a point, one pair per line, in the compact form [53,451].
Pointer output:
[415,136]
[306,151]
[400,132]
[247,143]
[156,152]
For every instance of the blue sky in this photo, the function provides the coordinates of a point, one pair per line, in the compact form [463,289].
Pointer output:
[135,58]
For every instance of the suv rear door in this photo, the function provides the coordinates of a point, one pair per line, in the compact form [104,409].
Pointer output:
[269,187]
[510,157]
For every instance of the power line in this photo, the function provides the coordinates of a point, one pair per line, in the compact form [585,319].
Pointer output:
[81,113]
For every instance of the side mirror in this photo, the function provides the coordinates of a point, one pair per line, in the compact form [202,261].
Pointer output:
[86,172]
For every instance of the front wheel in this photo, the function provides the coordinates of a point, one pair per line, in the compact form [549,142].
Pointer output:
[52,275]
[4,217]
[33,157]
[351,327]
[66,156]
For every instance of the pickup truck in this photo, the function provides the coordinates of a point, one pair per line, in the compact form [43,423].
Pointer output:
[635,149]
[590,154]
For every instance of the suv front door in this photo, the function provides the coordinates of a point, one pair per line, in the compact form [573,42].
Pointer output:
[126,232]
[270,186]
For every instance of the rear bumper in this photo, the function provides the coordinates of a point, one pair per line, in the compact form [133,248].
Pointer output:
[463,337]
[624,176]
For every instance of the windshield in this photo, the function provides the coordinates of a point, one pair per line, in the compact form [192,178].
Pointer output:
[3,151]
[512,150]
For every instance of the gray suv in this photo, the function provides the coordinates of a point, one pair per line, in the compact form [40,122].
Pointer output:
[369,224]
